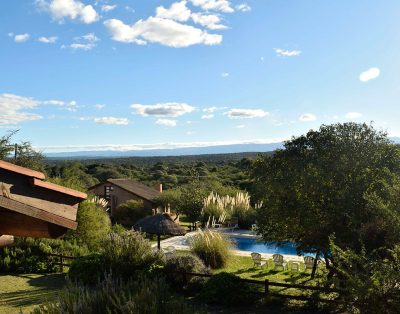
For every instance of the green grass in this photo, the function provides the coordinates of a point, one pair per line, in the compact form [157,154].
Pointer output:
[22,293]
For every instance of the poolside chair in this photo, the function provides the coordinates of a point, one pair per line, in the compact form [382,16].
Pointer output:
[257,259]
[279,261]
[234,223]
[295,266]
[309,262]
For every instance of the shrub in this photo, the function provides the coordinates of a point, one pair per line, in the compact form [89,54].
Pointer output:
[185,263]
[212,248]
[143,295]
[123,255]
[370,282]
[29,255]
[227,289]
[93,225]
[87,269]
[130,212]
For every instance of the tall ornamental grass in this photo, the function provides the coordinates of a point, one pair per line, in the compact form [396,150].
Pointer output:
[212,248]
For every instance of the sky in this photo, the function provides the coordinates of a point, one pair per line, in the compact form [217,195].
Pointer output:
[138,74]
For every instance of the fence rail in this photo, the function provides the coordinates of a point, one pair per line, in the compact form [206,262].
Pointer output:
[64,261]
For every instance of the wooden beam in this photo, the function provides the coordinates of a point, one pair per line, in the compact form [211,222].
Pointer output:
[35,212]
[24,226]
[25,171]
[58,188]
[6,240]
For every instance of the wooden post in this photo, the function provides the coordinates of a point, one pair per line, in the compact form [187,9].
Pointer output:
[61,264]
[15,151]
[266,286]
[158,241]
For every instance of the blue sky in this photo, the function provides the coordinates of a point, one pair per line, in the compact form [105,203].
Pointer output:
[80,74]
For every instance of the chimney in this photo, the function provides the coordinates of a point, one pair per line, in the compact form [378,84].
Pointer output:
[158,187]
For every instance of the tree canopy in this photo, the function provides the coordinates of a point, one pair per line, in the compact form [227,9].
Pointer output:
[329,181]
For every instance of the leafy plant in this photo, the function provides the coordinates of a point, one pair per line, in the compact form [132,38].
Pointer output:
[211,247]
[188,263]
[142,295]
[227,289]
[130,212]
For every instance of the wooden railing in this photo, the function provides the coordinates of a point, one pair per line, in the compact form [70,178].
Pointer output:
[62,260]
[65,261]
[267,291]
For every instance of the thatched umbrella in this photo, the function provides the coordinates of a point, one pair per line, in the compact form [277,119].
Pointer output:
[159,224]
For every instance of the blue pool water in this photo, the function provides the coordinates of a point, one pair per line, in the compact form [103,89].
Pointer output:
[254,245]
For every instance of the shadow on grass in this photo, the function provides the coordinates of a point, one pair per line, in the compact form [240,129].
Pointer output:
[42,289]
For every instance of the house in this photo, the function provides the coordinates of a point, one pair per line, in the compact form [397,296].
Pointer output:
[33,207]
[118,191]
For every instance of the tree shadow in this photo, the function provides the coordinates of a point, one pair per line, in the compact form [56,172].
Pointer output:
[45,288]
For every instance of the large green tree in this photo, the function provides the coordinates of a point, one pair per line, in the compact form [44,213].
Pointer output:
[329,181]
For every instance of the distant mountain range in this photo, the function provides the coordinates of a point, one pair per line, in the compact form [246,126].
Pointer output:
[220,149]
[186,151]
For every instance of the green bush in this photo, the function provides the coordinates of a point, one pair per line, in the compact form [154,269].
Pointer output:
[142,295]
[212,248]
[93,225]
[29,255]
[87,269]
[185,263]
[227,289]
[130,212]
[123,255]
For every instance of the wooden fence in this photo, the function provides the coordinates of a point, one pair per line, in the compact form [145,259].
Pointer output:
[65,261]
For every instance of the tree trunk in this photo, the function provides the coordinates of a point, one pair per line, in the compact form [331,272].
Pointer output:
[314,269]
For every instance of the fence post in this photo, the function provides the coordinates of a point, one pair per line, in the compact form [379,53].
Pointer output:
[266,286]
[61,264]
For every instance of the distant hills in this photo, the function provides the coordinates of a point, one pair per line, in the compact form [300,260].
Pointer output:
[187,151]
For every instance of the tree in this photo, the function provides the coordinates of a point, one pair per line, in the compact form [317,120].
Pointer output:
[171,199]
[93,225]
[322,183]
[25,154]
[130,212]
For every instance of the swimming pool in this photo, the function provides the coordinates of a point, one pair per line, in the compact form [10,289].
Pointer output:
[253,244]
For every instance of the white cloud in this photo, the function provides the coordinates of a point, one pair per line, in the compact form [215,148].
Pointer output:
[48,40]
[162,31]
[240,126]
[353,115]
[166,122]
[112,120]
[225,74]
[99,106]
[243,7]
[287,53]
[246,113]
[214,5]
[84,42]
[210,109]
[171,109]
[307,117]
[178,11]
[211,21]
[207,116]
[370,74]
[108,7]
[169,145]
[20,38]
[72,9]
[13,108]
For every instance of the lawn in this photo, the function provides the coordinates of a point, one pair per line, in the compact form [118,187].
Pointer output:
[22,293]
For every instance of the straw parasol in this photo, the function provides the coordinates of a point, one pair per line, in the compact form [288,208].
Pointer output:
[159,224]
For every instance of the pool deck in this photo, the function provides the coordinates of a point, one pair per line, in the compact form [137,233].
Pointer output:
[180,243]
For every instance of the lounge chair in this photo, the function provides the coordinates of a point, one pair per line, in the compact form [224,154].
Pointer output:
[234,223]
[257,259]
[279,261]
[309,262]
[295,266]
